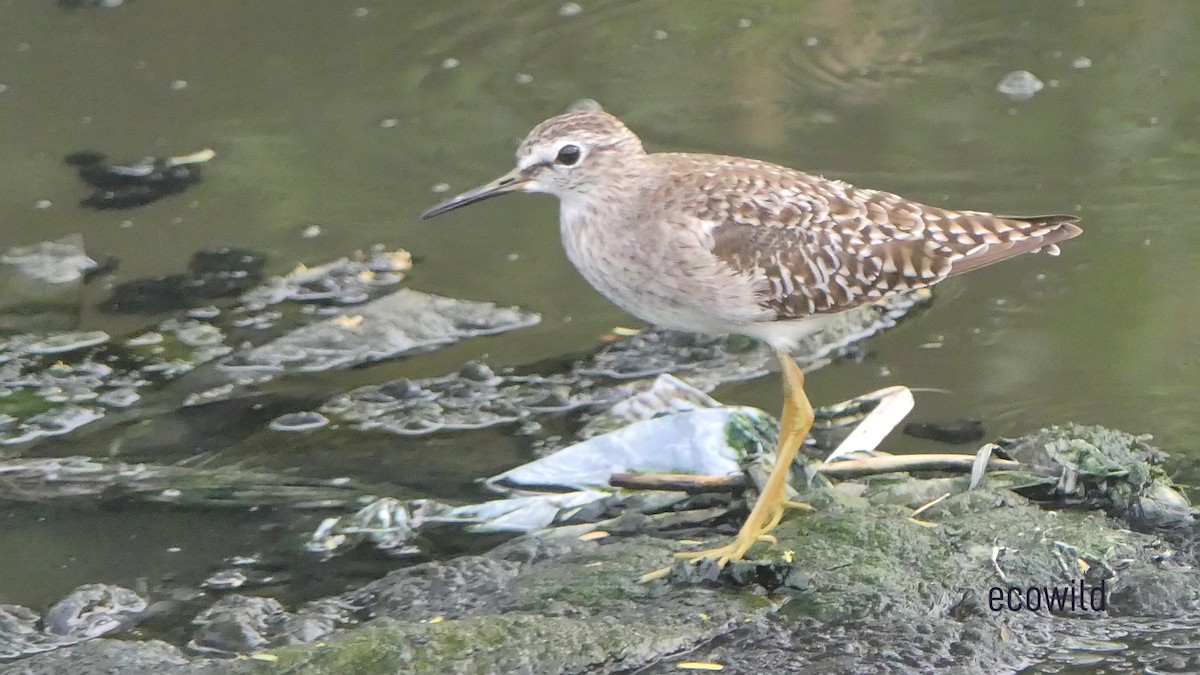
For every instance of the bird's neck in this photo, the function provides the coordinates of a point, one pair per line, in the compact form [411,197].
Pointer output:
[582,217]
[606,203]
[588,220]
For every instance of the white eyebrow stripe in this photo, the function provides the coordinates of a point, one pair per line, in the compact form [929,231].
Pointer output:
[542,155]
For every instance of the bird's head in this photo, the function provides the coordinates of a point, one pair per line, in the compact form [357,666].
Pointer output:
[570,155]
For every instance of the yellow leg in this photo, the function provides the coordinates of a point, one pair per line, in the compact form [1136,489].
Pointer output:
[794,425]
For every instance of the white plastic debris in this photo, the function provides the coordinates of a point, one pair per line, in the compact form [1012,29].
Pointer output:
[894,405]
[1019,85]
[690,442]
[518,514]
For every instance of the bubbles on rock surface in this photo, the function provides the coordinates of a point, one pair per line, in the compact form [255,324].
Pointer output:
[477,396]
[67,342]
[299,421]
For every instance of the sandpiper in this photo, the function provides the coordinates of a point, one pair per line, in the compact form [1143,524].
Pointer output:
[718,245]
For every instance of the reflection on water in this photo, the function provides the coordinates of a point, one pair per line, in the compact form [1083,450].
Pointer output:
[346,114]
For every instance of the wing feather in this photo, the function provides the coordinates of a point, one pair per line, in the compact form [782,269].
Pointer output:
[819,246]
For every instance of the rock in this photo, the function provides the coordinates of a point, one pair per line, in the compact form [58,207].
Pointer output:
[150,295]
[93,610]
[705,361]
[306,420]
[1100,468]
[863,584]
[221,272]
[83,480]
[399,323]
[19,634]
[452,589]
[380,329]
[122,186]
[150,657]
[50,377]
[384,522]
[345,281]
[211,273]
[239,624]
[1167,591]
[856,582]
[604,387]
[40,285]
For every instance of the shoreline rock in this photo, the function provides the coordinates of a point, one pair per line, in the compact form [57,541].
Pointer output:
[857,583]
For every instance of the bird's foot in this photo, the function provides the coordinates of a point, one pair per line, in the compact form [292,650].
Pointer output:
[767,513]
[794,424]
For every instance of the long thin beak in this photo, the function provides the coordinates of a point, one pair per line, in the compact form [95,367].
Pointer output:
[509,182]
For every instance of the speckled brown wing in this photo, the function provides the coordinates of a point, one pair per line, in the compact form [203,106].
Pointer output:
[820,246]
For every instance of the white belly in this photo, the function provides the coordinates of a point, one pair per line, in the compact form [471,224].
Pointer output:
[654,276]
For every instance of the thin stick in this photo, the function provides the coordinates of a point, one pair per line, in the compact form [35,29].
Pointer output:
[850,468]
[946,462]
[921,509]
[678,482]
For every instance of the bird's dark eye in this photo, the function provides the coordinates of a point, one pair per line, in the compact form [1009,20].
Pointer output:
[568,155]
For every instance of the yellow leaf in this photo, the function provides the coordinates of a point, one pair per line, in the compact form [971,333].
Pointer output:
[400,259]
